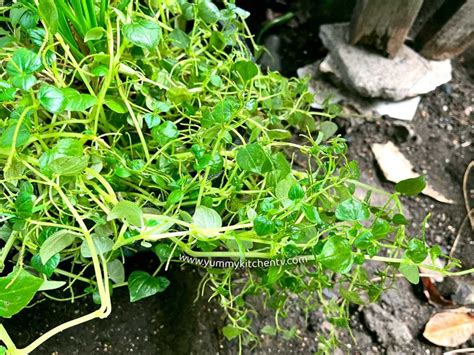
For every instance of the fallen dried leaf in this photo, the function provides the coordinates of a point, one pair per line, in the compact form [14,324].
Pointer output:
[396,167]
[432,293]
[450,328]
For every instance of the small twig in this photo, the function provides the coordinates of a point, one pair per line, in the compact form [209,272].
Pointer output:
[459,351]
[426,274]
[458,235]
[465,192]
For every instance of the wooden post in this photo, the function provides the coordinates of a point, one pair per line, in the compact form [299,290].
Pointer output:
[383,24]
[453,36]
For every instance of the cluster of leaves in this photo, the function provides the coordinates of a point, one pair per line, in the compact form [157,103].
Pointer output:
[128,127]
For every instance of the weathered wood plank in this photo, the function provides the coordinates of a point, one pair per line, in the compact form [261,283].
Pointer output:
[382,24]
[452,38]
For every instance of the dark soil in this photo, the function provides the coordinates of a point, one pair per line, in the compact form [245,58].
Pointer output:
[440,144]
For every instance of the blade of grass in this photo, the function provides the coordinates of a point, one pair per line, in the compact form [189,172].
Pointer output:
[63,7]
[79,13]
[103,7]
[91,12]
[68,37]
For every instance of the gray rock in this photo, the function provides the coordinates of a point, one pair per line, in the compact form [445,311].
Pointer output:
[389,330]
[323,89]
[464,294]
[371,75]
[271,58]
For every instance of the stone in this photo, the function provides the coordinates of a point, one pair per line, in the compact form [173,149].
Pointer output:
[372,75]
[322,89]
[464,294]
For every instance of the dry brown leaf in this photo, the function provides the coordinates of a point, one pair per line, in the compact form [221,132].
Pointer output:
[432,293]
[396,167]
[450,328]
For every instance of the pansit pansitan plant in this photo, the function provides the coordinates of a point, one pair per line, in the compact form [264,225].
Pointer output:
[145,127]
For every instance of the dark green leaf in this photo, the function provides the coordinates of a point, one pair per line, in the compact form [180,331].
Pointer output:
[165,132]
[174,197]
[52,98]
[399,219]
[231,332]
[380,229]
[245,69]
[23,62]
[17,289]
[66,158]
[180,39]
[410,272]
[352,210]
[208,12]
[116,105]
[225,110]
[274,273]
[328,128]
[254,158]
[217,42]
[102,246]
[55,244]
[128,211]
[351,296]
[49,14]
[94,34]
[24,201]
[69,147]
[76,101]
[142,285]
[24,81]
[336,255]
[7,92]
[411,187]
[8,135]
[296,192]
[363,240]
[263,226]
[19,14]
[48,267]
[435,252]
[152,120]
[69,166]
[311,214]
[143,33]
[163,251]
[416,251]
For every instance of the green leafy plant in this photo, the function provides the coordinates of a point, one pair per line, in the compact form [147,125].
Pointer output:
[145,127]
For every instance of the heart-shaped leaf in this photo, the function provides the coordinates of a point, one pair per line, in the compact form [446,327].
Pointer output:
[128,211]
[143,33]
[253,158]
[411,187]
[48,267]
[141,285]
[55,244]
[336,255]
[205,217]
[17,289]
[52,98]
[352,210]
